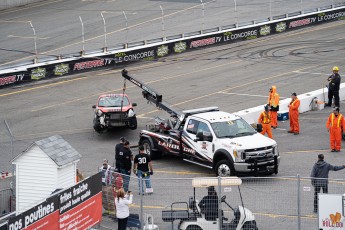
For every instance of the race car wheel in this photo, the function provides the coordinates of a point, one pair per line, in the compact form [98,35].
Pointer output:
[225,168]
[193,227]
[148,149]
[133,124]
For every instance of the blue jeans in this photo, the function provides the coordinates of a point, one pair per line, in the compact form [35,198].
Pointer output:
[126,178]
[145,179]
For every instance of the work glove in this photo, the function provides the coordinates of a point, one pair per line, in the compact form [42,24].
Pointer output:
[151,173]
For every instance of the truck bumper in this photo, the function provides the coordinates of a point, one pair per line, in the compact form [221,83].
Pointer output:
[259,167]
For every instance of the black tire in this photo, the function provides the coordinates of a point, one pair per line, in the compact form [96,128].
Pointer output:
[148,149]
[225,168]
[250,226]
[193,227]
[133,124]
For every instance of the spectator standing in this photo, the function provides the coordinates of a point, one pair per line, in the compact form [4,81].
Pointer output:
[118,148]
[122,210]
[335,126]
[126,164]
[106,173]
[273,102]
[333,87]
[319,177]
[265,121]
[294,114]
[143,169]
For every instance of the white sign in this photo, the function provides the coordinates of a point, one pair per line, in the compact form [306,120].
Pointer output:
[330,212]
[306,189]
[227,189]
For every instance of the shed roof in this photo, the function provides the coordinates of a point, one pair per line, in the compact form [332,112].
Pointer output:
[59,150]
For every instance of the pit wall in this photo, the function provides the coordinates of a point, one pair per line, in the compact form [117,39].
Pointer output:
[7,4]
[314,100]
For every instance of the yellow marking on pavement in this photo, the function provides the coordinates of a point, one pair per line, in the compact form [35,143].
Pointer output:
[306,151]
[42,86]
[180,172]
[40,38]
[5,21]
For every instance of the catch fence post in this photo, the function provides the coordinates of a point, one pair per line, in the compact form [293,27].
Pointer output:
[220,217]
[298,202]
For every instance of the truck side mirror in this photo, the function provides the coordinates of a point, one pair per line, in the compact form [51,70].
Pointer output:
[134,104]
[94,106]
[199,137]
[259,128]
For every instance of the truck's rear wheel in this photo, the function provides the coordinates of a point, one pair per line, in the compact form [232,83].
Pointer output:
[148,149]
[225,168]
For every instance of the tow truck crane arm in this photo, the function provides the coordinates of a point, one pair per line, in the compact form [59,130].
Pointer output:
[151,95]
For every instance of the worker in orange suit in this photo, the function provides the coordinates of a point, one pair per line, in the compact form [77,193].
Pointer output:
[265,121]
[335,125]
[273,102]
[294,114]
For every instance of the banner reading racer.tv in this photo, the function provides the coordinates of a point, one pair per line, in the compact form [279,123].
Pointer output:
[78,207]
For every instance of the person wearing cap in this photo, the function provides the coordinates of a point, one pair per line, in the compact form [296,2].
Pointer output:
[335,125]
[143,169]
[273,102]
[126,164]
[209,204]
[106,173]
[265,121]
[294,114]
[118,148]
[333,87]
[319,177]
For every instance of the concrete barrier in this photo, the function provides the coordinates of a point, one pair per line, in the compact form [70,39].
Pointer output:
[251,115]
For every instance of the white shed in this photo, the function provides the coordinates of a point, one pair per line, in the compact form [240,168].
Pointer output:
[47,165]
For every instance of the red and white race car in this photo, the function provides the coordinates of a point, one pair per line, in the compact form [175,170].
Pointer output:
[114,110]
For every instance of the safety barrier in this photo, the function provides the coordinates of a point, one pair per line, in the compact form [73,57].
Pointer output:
[159,48]
[277,203]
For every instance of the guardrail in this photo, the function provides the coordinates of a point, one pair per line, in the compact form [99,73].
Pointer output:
[162,47]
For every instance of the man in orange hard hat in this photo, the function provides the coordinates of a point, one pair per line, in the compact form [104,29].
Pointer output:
[294,114]
[335,125]
[333,87]
[265,121]
[273,102]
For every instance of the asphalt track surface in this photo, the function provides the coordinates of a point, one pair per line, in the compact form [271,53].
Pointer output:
[233,77]
[58,29]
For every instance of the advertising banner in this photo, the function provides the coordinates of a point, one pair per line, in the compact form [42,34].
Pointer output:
[330,212]
[3,226]
[78,207]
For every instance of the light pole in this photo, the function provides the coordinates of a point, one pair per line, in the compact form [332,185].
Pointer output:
[35,40]
[105,33]
[83,37]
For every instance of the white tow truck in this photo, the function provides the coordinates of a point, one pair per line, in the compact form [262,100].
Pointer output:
[208,137]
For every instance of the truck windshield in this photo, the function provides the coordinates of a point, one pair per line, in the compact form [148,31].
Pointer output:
[232,128]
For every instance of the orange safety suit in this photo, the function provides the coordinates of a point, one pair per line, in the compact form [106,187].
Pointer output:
[265,121]
[335,124]
[273,101]
[293,115]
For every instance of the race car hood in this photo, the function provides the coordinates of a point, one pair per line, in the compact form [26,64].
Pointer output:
[247,142]
[114,109]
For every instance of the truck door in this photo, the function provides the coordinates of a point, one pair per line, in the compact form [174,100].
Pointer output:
[200,139]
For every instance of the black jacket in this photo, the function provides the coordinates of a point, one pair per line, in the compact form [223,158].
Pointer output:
[334,82]
[321,170]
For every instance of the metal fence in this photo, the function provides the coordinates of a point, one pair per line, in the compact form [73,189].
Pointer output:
[7,201]
[96,31]
[276,202]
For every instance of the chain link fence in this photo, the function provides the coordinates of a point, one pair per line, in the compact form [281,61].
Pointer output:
[276,203]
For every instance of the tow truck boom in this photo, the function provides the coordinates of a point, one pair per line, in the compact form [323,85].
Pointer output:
[151,95]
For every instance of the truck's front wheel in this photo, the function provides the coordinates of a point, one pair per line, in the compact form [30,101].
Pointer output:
[148,149]
[225,168]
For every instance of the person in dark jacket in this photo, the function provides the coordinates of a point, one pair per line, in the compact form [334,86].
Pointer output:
[333,87]
[319,177]
[126,164]
[118,148]
[209,204]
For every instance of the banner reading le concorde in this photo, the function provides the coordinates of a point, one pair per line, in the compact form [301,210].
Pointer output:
[78,207]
